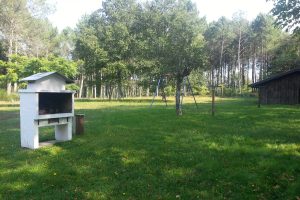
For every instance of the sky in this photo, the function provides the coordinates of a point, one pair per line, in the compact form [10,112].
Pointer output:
[68,12]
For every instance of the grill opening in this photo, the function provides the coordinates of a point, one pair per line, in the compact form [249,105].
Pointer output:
[54,103]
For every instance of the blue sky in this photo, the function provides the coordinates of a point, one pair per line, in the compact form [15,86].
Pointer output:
[68,12]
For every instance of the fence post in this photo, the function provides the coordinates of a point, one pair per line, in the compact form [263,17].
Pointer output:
[79,118]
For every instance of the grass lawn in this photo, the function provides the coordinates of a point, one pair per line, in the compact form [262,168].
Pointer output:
[129,151]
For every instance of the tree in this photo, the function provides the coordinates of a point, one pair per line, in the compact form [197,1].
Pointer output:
[88,49]
[287,13]
[18,22]
[2,51]
[42,39]
[219,35]
[13,15]
[66,43]
[118,37]
[286,55]
[175,39]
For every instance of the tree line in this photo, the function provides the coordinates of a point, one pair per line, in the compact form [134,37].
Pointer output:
[125,47]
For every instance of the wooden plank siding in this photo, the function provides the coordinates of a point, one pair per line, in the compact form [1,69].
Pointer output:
[283,90]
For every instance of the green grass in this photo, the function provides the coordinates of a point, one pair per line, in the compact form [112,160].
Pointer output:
[129,151]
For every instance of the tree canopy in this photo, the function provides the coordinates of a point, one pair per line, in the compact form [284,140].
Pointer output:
[287,13]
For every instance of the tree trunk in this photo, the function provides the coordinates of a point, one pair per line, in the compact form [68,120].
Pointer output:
[213,101]
[243,74]
[8,88]
[109,92]
[10,52]
[16,47]
[15,88]
[178,90]
[140,92]
[212,92]
[87,92]
[95,91]
[10,47]
[101,92]
[184,89]
[81,87]
[228,75]
[239,60]
[99,81]
[254,68]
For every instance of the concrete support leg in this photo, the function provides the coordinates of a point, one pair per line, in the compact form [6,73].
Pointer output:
[29,135]
[63,132]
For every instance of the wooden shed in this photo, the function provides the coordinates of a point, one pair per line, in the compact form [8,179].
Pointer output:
[283,88]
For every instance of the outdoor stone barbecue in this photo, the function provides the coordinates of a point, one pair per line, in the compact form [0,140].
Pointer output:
[45,102]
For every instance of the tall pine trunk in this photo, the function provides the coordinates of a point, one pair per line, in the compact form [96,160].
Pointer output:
[239,61]
[254,67]
[10,52]
[119,86]
[81,86]
[177,97]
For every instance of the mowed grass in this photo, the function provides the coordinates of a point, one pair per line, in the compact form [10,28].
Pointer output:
[130,151]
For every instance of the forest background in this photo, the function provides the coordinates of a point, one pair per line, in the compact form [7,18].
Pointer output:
[124,48]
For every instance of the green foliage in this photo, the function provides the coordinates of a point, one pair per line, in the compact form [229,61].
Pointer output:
[58,64]
[25,28]
[72,87]
[169,90]
[203,90]
[2,50]
[286,56]
[129,43]
[287,13]
[229,92]
[21,66]
[175,37]
[63,66]
[10,71]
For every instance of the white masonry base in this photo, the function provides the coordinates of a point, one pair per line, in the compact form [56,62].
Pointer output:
[30,132]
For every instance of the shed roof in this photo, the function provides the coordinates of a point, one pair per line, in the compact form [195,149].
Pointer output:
[277,76]
[39,76]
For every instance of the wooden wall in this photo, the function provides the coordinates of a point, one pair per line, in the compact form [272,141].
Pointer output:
[285,90]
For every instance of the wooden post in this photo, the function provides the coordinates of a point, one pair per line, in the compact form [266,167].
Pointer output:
[156,92]
[192,91]
[79,124]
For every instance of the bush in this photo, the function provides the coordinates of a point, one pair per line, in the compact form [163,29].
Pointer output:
[235,92]
[72,87]
[169,90]
[229,92]
[8,97]
[204,90]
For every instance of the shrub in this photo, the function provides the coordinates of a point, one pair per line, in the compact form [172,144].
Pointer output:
[203,90]
[169,90]
[73,87]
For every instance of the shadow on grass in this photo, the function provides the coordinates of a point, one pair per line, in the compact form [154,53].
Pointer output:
[138,153]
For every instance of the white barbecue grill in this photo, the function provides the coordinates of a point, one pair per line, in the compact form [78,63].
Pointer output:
[45,102]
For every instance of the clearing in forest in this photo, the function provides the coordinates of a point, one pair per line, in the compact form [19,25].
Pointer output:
[130,151]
